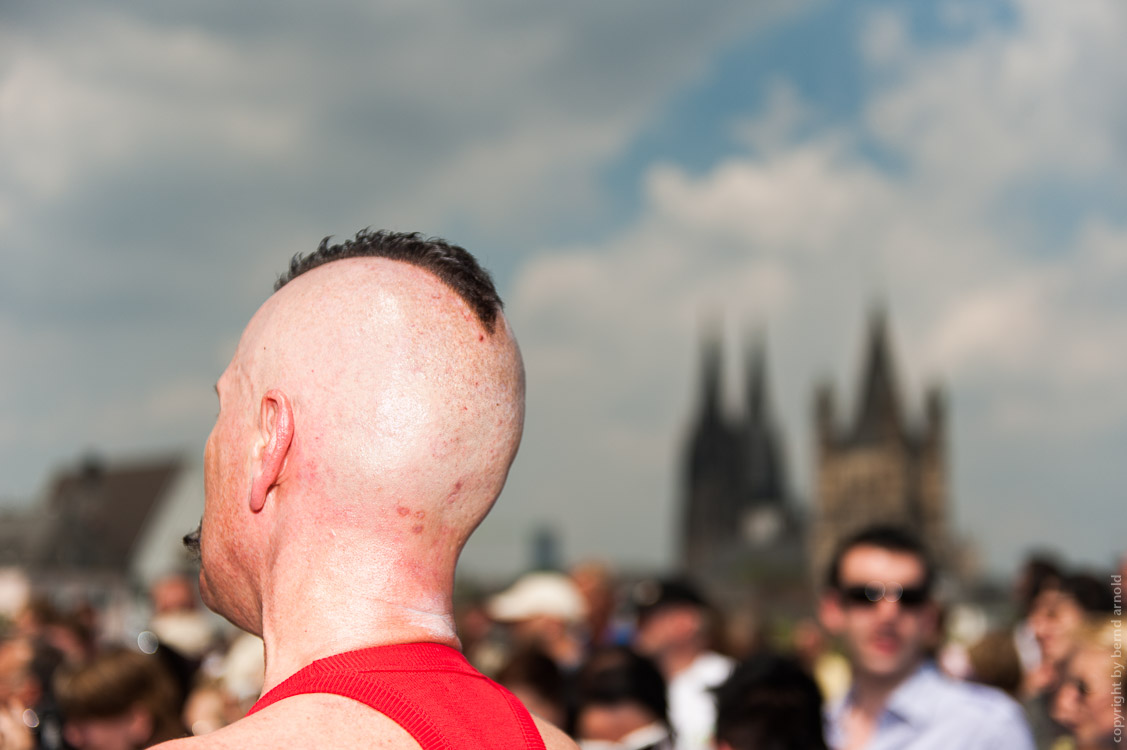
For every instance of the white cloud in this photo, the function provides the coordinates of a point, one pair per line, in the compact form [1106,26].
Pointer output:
[155,171]
[157,168]
[785,113]
[1013,105]
[885,39]
[120,91]
[424,115]
[805,232]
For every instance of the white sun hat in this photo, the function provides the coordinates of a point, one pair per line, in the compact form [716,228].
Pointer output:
[540,594]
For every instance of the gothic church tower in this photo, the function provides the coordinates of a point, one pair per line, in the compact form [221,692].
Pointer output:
[736,501]
[881,467]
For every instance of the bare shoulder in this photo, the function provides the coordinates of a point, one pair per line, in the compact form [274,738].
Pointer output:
[325,721]
[554,738]
[314,720]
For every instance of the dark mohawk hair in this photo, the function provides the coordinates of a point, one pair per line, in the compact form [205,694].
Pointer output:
[454,265]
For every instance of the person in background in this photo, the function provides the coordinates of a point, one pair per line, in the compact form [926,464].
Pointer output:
[534,678]
[72,632]
[184,631]
[119,700]
[994,661]
[826,665]
[744,631]
[769,703]
[29,713]
[675,626]
[226,687]
[878,601]
[484,642]
[596,584]
[621,703]
[543,610]
[1059,614]
[1089,701]
[1039,572]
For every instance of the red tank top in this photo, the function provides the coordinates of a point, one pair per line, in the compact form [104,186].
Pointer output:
[428,689]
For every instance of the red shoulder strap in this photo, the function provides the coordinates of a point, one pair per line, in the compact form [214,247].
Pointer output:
[428,689]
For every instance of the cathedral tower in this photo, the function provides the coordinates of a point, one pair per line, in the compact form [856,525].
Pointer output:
[736,501]
[880,467]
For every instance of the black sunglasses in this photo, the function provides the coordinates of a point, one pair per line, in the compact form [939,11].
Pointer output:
[871,593]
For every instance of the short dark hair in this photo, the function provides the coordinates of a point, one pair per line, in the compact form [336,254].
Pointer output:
[533,669]
[769,702]
[892,538]
[112,682]
[453,265]
[652,596]
[617,674]
[1092,593]
[1040,571]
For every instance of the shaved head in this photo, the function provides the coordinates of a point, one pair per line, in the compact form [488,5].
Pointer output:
[398,390]
[367,422]
[382,404]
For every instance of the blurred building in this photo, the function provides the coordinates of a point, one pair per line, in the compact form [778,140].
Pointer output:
[101,532]
[882,466]
[742,531]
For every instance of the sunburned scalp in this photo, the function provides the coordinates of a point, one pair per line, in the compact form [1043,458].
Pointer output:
[402,398]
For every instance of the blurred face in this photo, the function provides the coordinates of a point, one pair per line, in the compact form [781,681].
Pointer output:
[881,612]
[595,585]
[1055,620]
[172,595]
[670,628]
[1084,703]
[15,657]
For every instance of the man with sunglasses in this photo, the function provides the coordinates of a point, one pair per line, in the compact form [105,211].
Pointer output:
[878,601]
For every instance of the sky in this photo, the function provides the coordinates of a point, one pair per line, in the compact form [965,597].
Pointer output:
[628,171]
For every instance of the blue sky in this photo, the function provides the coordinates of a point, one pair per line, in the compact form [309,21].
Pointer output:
[625,169]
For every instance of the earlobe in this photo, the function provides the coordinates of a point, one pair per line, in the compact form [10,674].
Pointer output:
[276,426]
[829,613]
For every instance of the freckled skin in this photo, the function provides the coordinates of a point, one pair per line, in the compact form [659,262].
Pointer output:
[329,423]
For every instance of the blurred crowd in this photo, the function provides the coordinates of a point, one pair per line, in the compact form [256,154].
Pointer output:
[67,683]
[620,663]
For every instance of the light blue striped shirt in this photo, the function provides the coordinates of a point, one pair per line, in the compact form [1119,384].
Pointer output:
[930,711]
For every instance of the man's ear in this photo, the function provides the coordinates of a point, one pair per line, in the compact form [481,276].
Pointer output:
[275,425]
[830,612]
